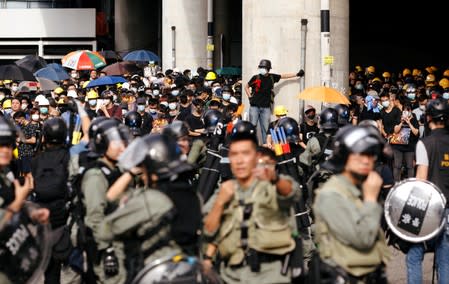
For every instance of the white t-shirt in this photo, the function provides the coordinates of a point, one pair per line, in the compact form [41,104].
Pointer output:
[421,154]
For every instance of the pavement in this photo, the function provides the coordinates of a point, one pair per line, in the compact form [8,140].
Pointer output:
[397,271]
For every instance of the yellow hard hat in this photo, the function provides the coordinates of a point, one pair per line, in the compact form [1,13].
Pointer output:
[416,72]
[7,81]
[429,70]
[358,68]
[370,69]
[434,69]
[386,75]
[280,110]
[85,84]
[446,73]
[58,90]
[210,76]
[430,78]
[377,79]
[6,104]
[91,95]
[61,101]
[406,72]
[444,83]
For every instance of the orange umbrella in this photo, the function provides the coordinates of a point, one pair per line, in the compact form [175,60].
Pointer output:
[323,94]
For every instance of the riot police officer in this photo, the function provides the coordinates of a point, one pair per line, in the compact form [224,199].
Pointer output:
[248,223]
[352,248]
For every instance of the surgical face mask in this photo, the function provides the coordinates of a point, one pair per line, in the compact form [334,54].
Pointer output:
[172,106]
[153,110]
[140,108]
[411,96]
[7,111]
[386,104]
[35,117]
[263,71]
[74,75]
[226,96]
[405,113]
[92,102]
[14,88]
[156,92]
[71,93]
[446,96]
[24,106]
[124,111]
[43,110]
[359,86]
[114,98]
[206,83]
[422,107]
[175,92]
[214,89]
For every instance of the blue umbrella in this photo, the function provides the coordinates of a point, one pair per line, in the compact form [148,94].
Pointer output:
[142,55]
[106,80]
[53,74]
[56,66]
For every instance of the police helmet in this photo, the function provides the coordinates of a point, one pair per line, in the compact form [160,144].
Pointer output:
[107,131]
[343,114]
[265,63]
[438,109]
[329,119]
[176,129]
[243,130]
[54,131]
[291,128]
[163,156]
[177,269]
[133,120]
[7,133]
[355,139]
[211,119]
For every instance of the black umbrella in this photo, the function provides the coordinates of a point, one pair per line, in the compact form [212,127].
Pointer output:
[15,72]
[31,62]
[110,54]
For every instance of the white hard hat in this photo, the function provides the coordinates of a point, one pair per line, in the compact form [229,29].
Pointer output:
[44,102]
[39,98]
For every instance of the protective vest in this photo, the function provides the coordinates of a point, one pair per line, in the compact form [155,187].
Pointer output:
[7,194]
[325,142]
[437,147]
[268,228]
[336,253]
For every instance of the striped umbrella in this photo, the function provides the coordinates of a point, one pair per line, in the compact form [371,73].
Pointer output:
[83,60]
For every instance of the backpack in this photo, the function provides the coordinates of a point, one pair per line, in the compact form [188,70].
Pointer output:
[51,173]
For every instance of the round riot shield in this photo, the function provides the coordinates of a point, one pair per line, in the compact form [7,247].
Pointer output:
[414,210]
[178,269]
[25,249]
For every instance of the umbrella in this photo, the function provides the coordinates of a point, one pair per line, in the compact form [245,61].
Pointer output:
[110,54]
[142,55]
[121,68]
[210,173]
[106,80]
[229,71]
[324,94]
[56,66]
[31,62]
[46,84]
[83,60]
[27,86]
[15,72]
[51,73]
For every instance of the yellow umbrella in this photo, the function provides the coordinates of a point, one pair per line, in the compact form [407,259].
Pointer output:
[323,94]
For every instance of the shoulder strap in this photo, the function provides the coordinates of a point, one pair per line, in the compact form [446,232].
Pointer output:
[322,150]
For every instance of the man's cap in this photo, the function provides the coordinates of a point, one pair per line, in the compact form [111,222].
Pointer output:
[308,108]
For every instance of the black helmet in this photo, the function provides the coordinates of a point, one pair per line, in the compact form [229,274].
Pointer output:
[7,133]
[211,119]
[54,131]
[265,63]
[177,129]
[355,139]
[163,156]
[438,109]
[133,120]
[329,119]
[244,130]
[343,114]
[291,128]
[106,131]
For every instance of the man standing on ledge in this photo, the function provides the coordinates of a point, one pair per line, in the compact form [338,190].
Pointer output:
[259,90]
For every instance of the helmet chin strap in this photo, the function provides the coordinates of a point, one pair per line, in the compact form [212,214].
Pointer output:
[360,179]
[114,161]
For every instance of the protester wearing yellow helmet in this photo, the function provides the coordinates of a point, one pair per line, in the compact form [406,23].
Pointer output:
[279,111]
[430,80]
[444,83]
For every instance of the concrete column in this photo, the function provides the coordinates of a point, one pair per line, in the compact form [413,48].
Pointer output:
[190,20]
[272,30]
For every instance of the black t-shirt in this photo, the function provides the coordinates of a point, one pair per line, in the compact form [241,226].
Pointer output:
[308,131]
[184,112]
[194,122]
[261,88]
[390,119]
[147,123]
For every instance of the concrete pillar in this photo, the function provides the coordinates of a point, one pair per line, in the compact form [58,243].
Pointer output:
[190,20]
[272,30]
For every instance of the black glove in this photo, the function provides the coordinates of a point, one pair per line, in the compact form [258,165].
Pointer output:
[300,73]
[110,262]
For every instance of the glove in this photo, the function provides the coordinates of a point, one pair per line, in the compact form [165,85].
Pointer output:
[110,262]
[300,73]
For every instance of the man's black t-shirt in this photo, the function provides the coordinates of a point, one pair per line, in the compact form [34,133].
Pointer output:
[390,119]
[261,87]
[308,131]
[194,122]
